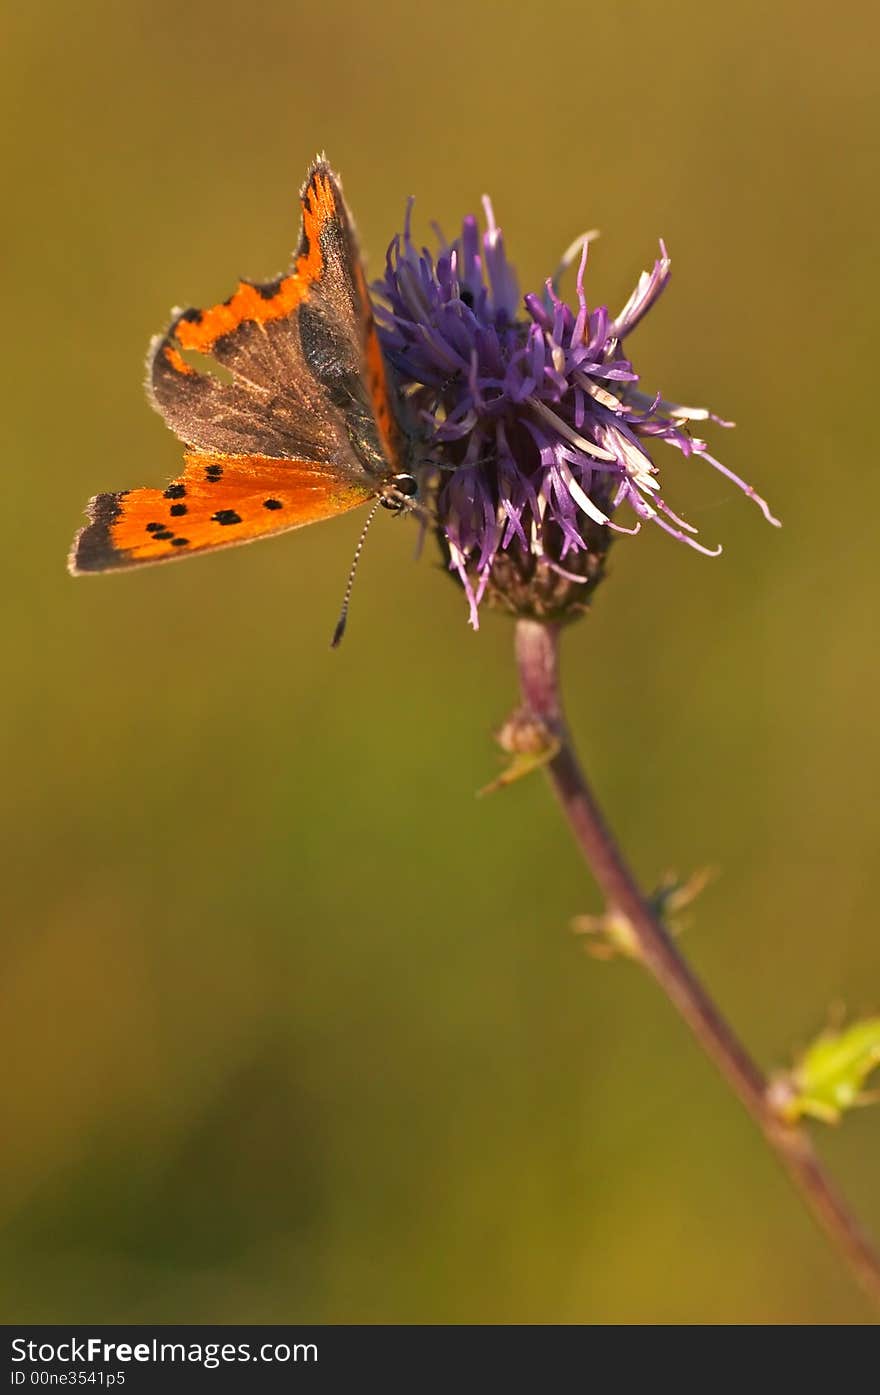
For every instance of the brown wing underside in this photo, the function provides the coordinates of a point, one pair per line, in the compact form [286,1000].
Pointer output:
[218,500]
[308,381]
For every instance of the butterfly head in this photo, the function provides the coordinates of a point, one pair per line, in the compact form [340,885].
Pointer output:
[399,493]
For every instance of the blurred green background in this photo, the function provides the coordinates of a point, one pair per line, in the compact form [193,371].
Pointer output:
[295,1027]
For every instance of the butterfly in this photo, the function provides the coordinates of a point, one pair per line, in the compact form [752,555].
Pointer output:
[300,422]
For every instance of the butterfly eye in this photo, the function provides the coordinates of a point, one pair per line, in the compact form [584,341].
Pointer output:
[406,485]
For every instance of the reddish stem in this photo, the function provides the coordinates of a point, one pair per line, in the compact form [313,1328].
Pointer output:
[537,653]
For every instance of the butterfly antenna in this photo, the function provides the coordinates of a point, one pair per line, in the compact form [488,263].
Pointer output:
[343,614]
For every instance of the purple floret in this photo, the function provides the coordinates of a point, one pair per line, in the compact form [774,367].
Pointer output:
[529,407]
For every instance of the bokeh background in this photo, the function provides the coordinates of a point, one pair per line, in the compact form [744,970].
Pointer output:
[295,1028]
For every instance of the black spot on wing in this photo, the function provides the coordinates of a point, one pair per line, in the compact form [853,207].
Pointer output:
[225,517]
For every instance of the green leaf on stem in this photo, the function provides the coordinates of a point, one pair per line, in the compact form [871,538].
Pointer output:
[521,765]
[611,933]
[830,1076]
[676,894]
[529,742]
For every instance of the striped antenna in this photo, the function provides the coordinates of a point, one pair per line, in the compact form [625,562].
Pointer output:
[343,614]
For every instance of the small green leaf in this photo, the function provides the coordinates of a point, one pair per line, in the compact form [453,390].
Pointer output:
[522,764]
[611,933]
[529,742]
[830,1075]
[676,894]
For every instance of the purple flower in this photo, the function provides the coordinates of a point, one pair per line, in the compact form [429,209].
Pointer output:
[531,410]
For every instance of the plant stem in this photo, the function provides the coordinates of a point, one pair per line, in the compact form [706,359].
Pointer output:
[537,653]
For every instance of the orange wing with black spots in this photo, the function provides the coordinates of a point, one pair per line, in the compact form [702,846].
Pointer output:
[298,422]
[217,501]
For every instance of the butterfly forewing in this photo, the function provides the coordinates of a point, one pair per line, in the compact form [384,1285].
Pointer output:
[219,500]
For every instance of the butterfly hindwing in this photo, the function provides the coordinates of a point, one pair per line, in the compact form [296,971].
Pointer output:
[217,501]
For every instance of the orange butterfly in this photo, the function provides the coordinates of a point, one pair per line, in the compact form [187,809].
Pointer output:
[306,429]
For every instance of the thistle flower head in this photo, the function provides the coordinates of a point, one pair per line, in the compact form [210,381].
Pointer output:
[533,415]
